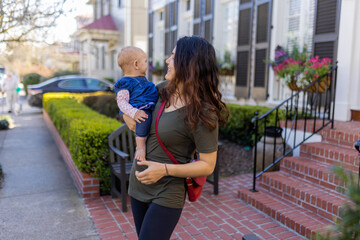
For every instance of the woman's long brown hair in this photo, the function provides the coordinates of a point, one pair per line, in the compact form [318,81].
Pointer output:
[197,78]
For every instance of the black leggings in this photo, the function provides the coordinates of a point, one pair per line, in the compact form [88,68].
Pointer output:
[153,221]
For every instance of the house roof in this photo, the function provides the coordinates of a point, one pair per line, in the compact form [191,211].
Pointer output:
[104,23]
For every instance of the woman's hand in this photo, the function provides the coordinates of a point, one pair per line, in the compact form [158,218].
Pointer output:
[129,122]
[152,174]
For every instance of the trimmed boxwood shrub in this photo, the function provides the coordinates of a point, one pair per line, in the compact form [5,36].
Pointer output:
[4,124]
[5,121]
[84,131]
[104,104]
[64,73]
[239,127]
[31,78]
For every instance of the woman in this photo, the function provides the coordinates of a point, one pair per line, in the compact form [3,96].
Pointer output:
[189,122]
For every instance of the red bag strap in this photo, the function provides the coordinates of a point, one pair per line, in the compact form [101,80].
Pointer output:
[161,109]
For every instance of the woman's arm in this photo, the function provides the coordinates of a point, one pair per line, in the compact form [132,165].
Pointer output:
[129,122]
[203,167]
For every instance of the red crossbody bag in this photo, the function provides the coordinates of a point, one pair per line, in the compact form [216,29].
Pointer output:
[194,185]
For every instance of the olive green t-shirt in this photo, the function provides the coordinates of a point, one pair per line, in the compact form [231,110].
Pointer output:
[181,141]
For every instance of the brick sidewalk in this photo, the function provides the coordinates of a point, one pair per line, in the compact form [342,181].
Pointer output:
[221,217]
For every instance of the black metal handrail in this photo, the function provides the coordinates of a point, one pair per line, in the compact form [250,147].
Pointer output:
[312,104]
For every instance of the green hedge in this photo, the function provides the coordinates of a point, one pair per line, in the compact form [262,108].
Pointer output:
[104,104]
[84,131]
[239,127]
[64,73]
[29,79]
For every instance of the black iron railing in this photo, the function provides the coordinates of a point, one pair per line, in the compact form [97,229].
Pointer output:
[309,110]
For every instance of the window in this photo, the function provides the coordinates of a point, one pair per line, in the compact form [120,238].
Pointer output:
[188,6]
[75,83]
[197,9]
[119,3]
[207,7]
[161,15]
[203,19]
[95,84]
[170,26]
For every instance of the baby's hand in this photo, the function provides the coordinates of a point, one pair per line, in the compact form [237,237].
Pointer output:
[140,154]
[140,115]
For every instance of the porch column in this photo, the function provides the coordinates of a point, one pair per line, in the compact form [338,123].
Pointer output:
[82,70]
[89,57]
[348,87]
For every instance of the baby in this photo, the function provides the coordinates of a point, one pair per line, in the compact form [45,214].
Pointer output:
[136,96]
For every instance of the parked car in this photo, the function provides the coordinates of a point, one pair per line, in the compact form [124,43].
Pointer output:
[72,83]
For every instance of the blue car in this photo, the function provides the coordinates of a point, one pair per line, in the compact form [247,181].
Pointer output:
[72,83]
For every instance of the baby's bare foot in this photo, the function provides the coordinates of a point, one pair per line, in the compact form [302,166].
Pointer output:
[140,154]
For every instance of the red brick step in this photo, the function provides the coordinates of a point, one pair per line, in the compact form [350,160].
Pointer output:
[315,172]
[319,200]
[331,154]
[303,221]
[344,134]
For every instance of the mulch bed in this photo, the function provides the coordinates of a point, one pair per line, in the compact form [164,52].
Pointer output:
[234,158]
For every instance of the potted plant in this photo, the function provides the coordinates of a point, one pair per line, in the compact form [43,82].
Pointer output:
[317,67]
[226,67]
[290,70]
[289,66]
[157,70]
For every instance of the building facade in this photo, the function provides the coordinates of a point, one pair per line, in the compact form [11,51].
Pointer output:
[248,31]
[116,23]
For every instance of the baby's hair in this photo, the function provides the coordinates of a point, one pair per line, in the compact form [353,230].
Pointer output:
[127,56]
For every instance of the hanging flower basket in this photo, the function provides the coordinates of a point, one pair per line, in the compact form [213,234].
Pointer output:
[293,86]
[226,72]
[157,72]
[314,68]
[320,86]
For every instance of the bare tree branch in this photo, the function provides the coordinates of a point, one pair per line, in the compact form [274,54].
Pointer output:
[27,20]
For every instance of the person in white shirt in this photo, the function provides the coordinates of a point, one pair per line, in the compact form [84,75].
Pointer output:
[9,86]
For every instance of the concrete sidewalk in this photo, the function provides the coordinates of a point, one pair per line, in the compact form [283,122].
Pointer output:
[38,199]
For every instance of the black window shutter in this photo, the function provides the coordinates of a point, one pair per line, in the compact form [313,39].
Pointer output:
[262,46]
[262,23]
[244,27]
[244,47]
[249,66]
[324,49]
[242,65]
[260,66]
[327,18]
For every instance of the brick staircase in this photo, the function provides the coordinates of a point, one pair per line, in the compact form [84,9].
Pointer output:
[302,195]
